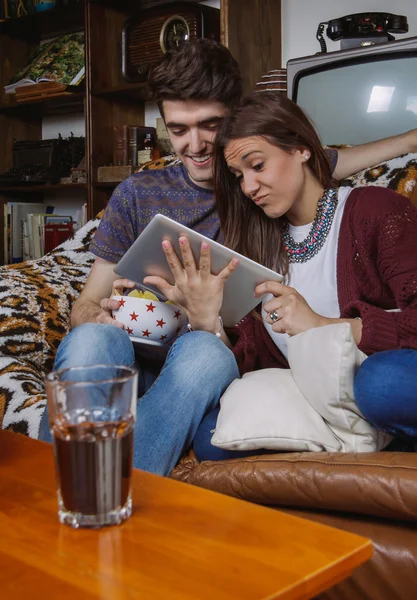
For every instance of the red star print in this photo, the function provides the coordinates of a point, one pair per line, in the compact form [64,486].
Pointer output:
[177,314]
[122,303]
[150,307]
[146,333]
[163,338]
[129,331]
[160,323]
[134,316]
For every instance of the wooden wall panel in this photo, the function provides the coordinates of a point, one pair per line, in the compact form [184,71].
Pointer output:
[104,26]
[251,29]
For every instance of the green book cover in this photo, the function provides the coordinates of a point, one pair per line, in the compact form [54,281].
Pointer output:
[60,60]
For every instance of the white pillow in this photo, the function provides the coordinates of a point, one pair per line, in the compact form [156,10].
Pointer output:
[324,362]
[309,407]
[265,409]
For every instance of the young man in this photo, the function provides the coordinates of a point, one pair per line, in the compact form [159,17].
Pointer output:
[194,87]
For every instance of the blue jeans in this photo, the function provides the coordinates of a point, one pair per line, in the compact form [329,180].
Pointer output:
[386,391]
[196,372]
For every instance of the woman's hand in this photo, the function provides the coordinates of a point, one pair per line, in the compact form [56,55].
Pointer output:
[294,314]
[196,290]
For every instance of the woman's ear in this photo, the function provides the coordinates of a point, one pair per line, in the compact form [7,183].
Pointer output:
[303,153]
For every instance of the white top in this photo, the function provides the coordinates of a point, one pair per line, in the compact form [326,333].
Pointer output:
[315,279]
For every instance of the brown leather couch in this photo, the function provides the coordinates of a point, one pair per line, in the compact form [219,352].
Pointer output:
[371,494]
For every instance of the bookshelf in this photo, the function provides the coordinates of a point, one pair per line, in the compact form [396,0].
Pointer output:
[107,99]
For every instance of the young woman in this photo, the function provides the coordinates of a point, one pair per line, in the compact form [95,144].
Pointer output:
[348,255]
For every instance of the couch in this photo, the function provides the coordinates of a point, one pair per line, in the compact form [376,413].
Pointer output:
[373,494]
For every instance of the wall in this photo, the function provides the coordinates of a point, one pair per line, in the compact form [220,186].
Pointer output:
[151,109]
[300,19]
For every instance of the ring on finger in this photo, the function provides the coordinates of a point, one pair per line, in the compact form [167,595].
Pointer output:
[274,316]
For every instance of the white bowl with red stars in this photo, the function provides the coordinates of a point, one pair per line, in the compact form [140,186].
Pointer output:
[149,321]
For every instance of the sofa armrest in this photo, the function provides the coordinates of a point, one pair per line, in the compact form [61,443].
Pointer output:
[36,298]
[22,396]
[380,484]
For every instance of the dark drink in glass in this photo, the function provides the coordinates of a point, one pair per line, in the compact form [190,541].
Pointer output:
[92,425]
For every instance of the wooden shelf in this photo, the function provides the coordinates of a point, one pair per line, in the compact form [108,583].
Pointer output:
[53,105]
[47,24]
[33,188]
[106,184]
[126,91]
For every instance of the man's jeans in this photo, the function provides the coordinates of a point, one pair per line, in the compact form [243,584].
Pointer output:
[196,372]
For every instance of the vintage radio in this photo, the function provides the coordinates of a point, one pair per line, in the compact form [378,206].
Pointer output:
[148,35]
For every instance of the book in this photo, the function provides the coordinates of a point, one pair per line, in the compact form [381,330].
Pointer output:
[132,149]
[55,234]
[120,145]
[15,213]
[61,60]
[54,218]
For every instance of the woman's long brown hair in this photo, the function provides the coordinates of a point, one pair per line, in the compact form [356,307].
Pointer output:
[282,123]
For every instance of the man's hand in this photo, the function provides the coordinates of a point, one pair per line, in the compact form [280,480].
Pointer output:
[109,304]
[294,314]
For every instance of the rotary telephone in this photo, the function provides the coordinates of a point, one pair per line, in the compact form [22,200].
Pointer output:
[373,26]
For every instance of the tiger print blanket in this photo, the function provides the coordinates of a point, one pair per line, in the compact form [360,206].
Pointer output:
[36,299]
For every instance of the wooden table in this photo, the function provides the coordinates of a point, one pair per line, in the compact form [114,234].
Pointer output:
[182,542]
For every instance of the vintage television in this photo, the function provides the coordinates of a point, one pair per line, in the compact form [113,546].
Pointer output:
[358,95]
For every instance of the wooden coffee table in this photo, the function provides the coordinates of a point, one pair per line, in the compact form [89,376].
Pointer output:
[182,542]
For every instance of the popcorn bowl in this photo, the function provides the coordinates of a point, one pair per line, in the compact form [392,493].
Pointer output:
[149,321]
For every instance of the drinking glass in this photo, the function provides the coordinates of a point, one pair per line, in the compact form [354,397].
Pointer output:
[92,412]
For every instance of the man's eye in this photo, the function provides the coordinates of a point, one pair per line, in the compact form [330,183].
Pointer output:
[177,132]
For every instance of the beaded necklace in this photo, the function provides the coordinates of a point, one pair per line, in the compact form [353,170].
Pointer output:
[306,249]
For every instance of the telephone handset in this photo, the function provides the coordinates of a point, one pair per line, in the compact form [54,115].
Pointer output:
[362,25]
[366,24]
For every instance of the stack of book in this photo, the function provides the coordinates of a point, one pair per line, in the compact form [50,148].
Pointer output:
[32,230]
[134,145]
[60,61]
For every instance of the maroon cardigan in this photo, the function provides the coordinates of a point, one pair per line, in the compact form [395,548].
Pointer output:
[376,271]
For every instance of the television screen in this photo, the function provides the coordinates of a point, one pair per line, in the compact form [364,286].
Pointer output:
[359,95]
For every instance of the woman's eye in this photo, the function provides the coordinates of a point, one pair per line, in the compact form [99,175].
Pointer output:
[258,167]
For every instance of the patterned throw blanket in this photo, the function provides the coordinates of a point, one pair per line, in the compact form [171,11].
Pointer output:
[36,299]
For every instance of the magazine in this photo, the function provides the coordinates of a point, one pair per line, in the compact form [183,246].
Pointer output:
[60,60]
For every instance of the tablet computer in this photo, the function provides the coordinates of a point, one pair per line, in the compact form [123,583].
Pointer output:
[146,257]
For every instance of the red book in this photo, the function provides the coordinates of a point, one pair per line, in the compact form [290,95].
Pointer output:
[56,233]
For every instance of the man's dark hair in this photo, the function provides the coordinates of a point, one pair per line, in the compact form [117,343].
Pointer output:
[200,70]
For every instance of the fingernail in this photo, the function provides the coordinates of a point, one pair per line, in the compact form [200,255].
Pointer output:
[182,241]
[165,244]
[204,246]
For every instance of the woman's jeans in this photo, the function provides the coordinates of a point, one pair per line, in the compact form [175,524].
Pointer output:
[196,372]
[386,391]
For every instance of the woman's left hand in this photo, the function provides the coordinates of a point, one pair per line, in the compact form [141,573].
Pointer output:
[294,314]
